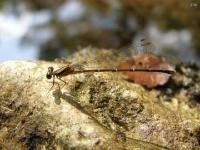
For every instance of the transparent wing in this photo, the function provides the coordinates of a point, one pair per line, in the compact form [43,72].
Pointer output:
[144,45]
[92,58]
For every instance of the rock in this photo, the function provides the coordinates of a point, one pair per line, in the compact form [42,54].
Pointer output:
[92,111]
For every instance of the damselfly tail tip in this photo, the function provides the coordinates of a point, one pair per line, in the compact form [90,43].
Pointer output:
[173,71]
[170,71]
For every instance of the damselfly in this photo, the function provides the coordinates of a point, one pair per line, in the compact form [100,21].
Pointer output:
[69,69]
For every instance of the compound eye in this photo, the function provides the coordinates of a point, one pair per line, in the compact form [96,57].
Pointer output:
[50,69]
[48,76]
[49,73]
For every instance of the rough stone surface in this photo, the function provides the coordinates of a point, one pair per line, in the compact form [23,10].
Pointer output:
[96,110]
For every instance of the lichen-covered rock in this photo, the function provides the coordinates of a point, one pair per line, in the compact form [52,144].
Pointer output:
[96,110]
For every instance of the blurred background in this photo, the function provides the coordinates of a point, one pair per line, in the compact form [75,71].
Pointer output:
[35,29]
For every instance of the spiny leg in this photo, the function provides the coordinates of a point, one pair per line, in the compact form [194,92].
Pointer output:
[73,84]
[54,82]
[60,78]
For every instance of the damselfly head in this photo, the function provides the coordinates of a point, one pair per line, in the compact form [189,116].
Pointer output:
[49,73]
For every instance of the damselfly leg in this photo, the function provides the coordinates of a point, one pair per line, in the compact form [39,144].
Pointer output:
[60,78]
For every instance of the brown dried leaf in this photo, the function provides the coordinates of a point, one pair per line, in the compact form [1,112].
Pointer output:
[148,79]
